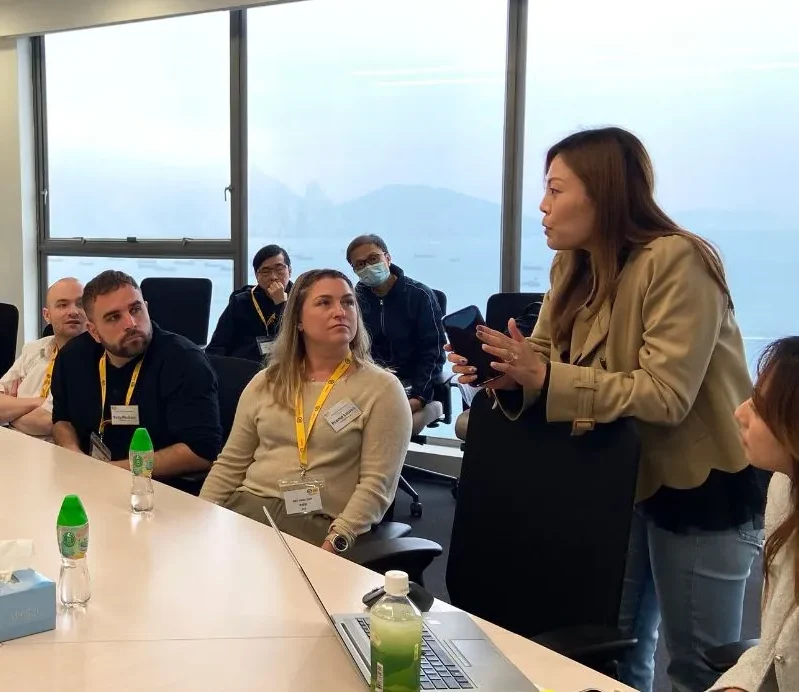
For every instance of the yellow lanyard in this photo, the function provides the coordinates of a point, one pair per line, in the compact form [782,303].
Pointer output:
[133,379]
[302,435]
[259,311]
[48,376]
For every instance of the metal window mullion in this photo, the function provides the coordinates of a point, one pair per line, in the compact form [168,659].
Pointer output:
[238,145]
[155,249]
[39,79]
[513,148]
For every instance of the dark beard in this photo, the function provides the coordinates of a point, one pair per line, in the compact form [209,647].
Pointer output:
[129,350]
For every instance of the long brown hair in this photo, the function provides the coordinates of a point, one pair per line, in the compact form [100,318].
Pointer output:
[618,176]
[285,371]
[776,400]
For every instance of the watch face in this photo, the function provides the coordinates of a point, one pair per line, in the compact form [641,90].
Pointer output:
[340,543]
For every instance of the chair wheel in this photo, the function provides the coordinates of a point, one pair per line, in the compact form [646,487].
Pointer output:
[416,509]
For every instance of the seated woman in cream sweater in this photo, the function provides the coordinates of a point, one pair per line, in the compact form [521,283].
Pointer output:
[769,424]
[320,436]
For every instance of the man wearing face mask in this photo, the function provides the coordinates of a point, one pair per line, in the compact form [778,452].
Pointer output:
[402,316]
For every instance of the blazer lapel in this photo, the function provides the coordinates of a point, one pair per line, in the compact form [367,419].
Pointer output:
[596,335]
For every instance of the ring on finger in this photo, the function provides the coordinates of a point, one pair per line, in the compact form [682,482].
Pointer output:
[511,356]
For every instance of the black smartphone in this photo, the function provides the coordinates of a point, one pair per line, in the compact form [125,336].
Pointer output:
[461,329]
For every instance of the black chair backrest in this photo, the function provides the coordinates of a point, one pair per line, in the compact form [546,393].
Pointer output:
[9,327]
[441,297]
[539,539]
[233,375]
[48,330]
[502,306]
[182,306]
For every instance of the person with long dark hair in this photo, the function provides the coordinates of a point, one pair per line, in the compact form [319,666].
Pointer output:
[769,423]
[639,322]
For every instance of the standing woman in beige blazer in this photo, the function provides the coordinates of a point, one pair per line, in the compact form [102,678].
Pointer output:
[639,322]
[770,430]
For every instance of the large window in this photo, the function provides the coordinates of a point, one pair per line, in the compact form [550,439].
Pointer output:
[712,91]
[85,268]
[139,129]
[381,116]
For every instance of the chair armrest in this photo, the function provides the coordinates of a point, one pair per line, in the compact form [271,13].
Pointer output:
[587,644]
[444,378]
[385,531]
[722,658]
[411,555]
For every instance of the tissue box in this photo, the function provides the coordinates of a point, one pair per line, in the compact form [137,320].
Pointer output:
[27,605]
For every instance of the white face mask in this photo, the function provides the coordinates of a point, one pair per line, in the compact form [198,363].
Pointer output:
[374,274]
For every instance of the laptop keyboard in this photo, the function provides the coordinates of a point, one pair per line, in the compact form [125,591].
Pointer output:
[438,670]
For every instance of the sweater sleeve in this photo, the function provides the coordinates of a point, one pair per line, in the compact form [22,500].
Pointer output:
[386,436]
[230,468]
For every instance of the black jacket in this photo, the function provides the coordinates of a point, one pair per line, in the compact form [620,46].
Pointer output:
[240,326]
[406,330]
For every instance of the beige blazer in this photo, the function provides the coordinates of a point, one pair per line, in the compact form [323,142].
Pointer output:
[667,352]
[773,665]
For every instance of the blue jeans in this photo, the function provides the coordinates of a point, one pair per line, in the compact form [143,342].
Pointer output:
[696,582]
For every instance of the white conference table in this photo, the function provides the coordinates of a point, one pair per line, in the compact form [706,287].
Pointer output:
[193,597]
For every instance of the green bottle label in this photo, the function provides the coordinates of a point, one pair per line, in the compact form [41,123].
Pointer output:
[73,541]
[395,655]
[141,463]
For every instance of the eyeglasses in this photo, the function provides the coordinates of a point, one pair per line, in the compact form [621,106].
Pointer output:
[374,258]
[274,269]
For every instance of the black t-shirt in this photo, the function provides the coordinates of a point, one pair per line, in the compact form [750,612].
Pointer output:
[176,394]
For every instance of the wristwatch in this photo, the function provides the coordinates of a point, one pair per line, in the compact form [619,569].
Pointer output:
[339,542]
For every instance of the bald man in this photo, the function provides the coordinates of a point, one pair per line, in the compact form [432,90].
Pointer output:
[26,403]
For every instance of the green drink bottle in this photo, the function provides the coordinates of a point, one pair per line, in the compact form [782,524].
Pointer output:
[142,460]
[72,528]
[396,638]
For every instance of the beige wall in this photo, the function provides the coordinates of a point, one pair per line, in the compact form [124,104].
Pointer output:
[18,266]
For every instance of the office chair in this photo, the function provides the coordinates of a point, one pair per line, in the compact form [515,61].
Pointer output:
[9,328]
[540,534]
[182,306]
[48,330]
[721,658]
[233,375]
[437,411]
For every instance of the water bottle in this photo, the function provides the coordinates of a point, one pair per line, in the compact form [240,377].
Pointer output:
[74,588]
[396,638]
[142,460]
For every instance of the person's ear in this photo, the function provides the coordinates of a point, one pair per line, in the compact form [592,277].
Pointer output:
[388,258]
[93,331]
[46,315]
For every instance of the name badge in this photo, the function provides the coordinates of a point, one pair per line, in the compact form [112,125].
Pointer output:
[125,415]
[264,345]
[342,414]
[98,449]
[302,496]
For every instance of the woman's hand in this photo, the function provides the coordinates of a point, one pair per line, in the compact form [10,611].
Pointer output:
[467,372]
[517,359]
[328,546]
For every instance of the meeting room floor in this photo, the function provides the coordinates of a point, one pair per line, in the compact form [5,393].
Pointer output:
[436,524]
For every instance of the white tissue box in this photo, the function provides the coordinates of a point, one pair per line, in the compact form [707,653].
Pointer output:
[27,605]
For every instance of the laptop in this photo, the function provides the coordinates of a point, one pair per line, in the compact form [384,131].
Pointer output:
[456,653]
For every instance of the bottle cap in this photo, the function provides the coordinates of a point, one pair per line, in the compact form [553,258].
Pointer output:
[72,512]
[141,441]
[396,583]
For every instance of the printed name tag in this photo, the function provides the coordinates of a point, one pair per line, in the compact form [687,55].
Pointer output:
[342,414]
[264,345]
[125,415]
[302,496]
[98,449]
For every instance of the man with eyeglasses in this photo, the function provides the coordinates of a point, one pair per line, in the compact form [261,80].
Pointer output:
[403,318]
[250,322]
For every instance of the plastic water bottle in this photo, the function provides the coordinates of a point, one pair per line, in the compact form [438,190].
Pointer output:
[142,460]
[74,587]
[396,638]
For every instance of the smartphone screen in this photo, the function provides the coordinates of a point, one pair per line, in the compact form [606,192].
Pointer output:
[461,329]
